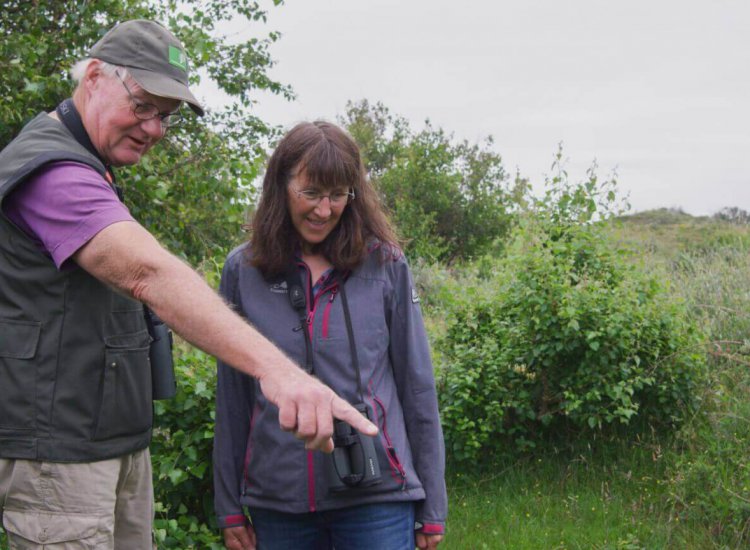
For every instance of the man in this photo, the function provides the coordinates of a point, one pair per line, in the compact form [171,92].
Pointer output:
[75,386]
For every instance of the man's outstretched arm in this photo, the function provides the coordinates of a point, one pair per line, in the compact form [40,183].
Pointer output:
[127,257]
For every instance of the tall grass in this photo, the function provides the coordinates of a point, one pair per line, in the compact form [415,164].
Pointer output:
[710,478]
[716,284]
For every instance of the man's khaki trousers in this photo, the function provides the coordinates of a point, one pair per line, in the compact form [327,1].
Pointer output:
[104,505]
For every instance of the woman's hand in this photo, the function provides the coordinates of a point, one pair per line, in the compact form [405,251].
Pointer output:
[241,537]
[428,542]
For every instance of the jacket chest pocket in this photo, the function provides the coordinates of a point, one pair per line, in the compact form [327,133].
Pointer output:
[368,320]
[125,406]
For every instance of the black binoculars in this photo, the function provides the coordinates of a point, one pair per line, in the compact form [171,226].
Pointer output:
[163,384]
[354,462]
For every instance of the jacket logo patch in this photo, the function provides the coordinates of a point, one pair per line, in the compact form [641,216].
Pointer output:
[279,288]
[414,296]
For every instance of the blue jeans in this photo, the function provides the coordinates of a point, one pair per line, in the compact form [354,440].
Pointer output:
[383,526]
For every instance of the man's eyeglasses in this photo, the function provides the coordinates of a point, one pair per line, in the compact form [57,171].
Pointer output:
[337,198]
[147,111]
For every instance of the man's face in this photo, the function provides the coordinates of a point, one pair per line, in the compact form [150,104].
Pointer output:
[120,137]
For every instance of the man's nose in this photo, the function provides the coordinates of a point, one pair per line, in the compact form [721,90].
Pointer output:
[153,127]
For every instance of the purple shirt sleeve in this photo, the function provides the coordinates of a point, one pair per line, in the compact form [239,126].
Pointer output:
[63,206]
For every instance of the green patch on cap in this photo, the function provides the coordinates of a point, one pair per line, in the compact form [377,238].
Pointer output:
[178,58]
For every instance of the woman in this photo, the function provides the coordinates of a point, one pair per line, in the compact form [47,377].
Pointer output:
[322,277]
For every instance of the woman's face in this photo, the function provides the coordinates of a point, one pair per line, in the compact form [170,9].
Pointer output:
[314,212]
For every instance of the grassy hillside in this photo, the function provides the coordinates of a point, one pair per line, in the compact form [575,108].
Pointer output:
[664,234]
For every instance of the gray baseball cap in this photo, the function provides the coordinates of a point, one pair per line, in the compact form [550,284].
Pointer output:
[153,57]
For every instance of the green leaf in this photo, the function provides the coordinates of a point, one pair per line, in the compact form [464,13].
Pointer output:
[177,476]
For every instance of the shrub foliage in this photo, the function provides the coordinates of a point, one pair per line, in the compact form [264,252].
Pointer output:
[181,456]
[450,199]
[574,339]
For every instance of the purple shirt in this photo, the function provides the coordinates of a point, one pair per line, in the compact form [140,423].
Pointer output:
[62,206]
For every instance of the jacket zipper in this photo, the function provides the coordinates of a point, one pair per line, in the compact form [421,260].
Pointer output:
[310,327]
[310,457]
[314,309]
[327,311]
[311,481]
[397,470]
[248,451]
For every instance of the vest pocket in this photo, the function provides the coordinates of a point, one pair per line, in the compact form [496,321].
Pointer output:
[19,339]
[18,344]
[125,407]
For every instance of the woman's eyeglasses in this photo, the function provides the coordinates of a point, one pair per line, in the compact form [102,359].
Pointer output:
[314,197]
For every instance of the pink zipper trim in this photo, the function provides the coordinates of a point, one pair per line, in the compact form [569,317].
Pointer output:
[397,470]
[314,309]
[310,326]
[249,447]
[327,312]
[311,480]
[310,312]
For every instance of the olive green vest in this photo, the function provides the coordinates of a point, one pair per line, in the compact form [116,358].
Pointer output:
[75,380]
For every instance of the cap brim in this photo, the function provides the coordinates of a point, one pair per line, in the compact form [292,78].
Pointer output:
[163,86]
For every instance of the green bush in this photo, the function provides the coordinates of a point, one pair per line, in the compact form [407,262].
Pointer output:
[450,199]
[575,339]
[181,456]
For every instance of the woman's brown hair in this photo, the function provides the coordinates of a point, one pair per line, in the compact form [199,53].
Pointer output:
[329,158]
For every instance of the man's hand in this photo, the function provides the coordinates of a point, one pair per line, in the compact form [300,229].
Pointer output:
[427,542]
[307,407]
[241,537]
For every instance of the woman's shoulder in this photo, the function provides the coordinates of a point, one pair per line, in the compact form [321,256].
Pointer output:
[384,252]
[237,251]
[238,257]
[383,260]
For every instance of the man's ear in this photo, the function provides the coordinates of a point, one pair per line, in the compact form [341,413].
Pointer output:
[93,75]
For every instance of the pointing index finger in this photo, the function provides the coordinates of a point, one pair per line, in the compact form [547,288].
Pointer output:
[344,411]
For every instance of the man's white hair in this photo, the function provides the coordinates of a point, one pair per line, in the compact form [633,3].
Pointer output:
[79,69]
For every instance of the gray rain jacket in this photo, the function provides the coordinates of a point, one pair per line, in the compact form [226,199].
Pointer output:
[258,464]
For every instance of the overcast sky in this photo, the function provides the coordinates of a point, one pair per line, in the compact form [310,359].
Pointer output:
[658,89]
